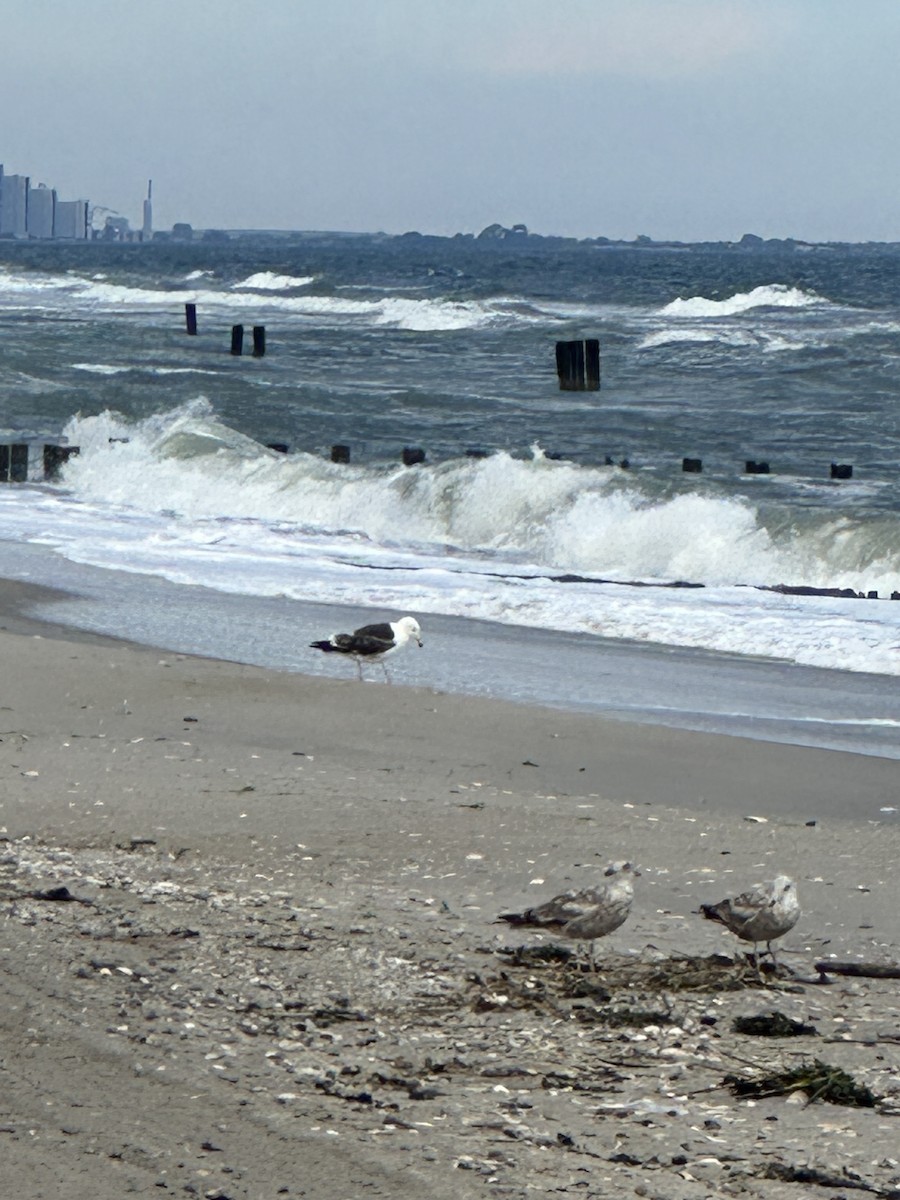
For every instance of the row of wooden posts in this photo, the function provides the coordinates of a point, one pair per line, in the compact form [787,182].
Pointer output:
[15,458]
[237,333]
[695,466]
[413,455]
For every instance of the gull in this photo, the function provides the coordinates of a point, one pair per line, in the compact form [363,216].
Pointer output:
[762,914]
[372,641]
[586,915]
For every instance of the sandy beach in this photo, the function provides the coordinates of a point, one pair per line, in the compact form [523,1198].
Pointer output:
[249,942]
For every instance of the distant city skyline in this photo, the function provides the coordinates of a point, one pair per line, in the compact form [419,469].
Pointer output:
[682,120]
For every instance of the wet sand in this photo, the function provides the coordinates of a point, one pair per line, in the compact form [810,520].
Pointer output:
[278,970]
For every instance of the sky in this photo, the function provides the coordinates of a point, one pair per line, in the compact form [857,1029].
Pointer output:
[675,119]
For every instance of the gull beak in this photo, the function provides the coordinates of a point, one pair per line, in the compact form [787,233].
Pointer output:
[421,643]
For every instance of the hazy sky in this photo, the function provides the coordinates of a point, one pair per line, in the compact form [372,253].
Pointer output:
[685,119]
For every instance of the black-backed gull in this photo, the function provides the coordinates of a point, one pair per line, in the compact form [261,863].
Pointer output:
[374,642]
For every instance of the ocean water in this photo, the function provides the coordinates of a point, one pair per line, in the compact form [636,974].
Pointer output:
[448,345]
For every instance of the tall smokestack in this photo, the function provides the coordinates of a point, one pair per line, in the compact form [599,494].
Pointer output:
[147,227]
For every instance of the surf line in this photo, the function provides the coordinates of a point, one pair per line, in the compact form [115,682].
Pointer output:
[784,589]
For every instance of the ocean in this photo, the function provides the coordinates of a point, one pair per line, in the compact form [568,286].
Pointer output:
[559,518]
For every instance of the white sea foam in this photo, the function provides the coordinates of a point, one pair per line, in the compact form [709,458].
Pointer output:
[729,337]
[188,498]
[114,369]
[431,314]
[269,281]
[774,295]
[100,368]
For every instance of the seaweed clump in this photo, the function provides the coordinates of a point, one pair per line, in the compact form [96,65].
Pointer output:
[817,1079]
[772,1024]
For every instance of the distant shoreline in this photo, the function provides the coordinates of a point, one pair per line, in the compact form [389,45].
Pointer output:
[492,236]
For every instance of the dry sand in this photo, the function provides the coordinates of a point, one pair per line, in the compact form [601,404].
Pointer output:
[278,971]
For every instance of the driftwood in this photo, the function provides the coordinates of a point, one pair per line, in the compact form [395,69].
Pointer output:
[868,970]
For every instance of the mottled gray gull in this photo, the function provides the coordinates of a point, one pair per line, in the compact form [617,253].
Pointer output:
[762,914]
[586,915]
[372,641]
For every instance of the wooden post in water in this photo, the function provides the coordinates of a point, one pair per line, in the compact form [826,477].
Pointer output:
[18,462]
[756,468]
[340,454]
[259,341]
[592,364]
[841,471]
[564,367]
[692,465]
[578,365]
[4,464]
[237,340]
[190,319]
[55,457]
[412,456]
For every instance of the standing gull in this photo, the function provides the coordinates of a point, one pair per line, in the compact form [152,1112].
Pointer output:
[763,914]
[372,641]
[586,915]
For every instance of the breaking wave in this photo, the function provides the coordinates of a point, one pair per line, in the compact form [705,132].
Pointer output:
[773,295]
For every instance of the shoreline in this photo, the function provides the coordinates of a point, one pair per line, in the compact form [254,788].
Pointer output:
[681,688]
[712,771]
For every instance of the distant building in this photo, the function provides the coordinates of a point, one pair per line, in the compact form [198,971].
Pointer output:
[41,210]
[182,232]
[14,205]
[117,229]
[71,219]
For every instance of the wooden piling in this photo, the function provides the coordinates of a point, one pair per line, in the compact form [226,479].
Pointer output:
[18,462]
[412,456]
[692,465]
[841,471]
[259,341]
[55,457]
[592,364]
[190,319]
[566,366]
[578,365]
[237,340]
[279,447]
[756,468]
[340,454]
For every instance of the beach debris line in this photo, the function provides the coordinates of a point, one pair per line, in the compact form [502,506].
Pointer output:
[587,914]
[373,642]
[762,914]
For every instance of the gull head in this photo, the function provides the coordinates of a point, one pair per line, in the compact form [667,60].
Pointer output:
[622,867]
[410,627]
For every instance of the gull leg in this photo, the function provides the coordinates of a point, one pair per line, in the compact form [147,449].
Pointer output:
[756,962]
[387,678]
[359,669]
[774,959]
